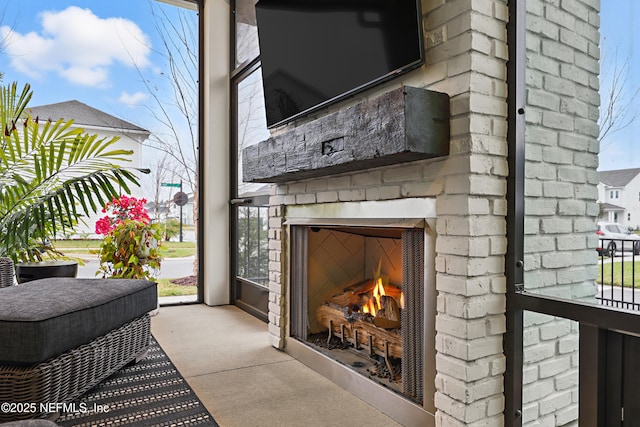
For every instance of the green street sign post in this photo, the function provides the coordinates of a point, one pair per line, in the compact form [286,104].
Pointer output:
[178,185]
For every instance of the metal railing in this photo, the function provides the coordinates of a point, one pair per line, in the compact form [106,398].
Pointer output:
[618,282]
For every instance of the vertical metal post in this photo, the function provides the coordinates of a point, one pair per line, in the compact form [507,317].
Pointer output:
[514,266]
[181,214]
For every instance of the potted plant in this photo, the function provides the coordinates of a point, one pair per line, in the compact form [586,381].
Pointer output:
[130,248]
[51,175]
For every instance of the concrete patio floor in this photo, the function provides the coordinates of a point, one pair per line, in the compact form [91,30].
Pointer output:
[224,355]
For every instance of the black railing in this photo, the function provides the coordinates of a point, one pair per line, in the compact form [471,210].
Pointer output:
[618,283]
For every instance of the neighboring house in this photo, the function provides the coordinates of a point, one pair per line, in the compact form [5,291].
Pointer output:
[94,121]
[619,196]
[159,211]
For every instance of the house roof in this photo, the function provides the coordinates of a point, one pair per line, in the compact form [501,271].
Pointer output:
[83,115]
[611,207]
[618,178]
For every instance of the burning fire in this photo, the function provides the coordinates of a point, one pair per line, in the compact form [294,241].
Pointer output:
[373,304]
[378,291]
[369,307]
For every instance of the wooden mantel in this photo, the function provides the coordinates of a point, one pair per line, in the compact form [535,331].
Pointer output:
[402,125]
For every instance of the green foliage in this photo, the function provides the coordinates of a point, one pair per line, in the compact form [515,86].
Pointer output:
[50,176]
[130,250]
[171,228]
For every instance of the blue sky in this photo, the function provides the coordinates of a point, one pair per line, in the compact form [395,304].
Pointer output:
[93,51]
[84,50]
[620,44]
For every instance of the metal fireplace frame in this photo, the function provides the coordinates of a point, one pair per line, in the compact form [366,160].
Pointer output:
[416,213]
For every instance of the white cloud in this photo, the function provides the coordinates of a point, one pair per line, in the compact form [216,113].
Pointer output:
[78,46]
[133,98]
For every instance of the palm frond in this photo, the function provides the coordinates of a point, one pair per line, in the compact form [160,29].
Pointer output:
[51,174]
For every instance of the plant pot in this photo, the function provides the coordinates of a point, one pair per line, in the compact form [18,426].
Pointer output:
[147,243]
[27,271]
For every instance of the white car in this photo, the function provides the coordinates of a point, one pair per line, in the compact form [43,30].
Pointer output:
[615,237]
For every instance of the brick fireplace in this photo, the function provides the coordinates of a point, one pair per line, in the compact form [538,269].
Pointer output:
[335,165]
[383,159]
[351,206]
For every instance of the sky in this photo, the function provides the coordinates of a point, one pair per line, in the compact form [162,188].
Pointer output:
[620,45]
[92,51]
[84,50]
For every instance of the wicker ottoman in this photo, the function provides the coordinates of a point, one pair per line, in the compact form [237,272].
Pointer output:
[62,336]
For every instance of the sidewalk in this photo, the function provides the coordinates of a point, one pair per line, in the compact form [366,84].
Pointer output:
[171,268]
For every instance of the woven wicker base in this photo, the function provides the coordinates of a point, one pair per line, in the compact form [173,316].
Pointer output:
[63,378]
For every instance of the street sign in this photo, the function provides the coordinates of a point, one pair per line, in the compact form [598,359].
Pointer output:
[170,184]
[180,198]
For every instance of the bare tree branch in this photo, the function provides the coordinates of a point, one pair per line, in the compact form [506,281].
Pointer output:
[174,92]
[617,109]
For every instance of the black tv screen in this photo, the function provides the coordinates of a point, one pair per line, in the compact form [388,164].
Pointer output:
[315,52]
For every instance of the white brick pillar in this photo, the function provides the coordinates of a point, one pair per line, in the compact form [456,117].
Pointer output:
[471,225]
[277,307]
[466,58]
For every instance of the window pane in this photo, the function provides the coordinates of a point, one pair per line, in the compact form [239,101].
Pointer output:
[571,167]
[246,31]
[252,125]
[253,247]
[561,138]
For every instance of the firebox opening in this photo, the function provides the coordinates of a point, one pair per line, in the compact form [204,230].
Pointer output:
[359,300]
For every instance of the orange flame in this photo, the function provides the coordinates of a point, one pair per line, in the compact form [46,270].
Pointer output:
[378,291]
[373,304]
[370,307]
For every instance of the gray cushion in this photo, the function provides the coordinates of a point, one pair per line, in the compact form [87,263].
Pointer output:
[44,318]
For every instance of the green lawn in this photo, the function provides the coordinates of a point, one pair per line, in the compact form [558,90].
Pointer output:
[169,249]
[618,273]
[168,289]
[178,249]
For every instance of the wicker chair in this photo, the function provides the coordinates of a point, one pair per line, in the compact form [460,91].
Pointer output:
[7,272]
[56,352]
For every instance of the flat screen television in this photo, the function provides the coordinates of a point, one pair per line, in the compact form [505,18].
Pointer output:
[316,52]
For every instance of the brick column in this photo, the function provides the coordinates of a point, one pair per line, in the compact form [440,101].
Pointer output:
[277,308]
[471,225]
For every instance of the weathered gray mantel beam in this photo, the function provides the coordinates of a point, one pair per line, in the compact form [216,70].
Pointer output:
[402,125]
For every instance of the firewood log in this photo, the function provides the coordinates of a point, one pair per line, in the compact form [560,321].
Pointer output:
[388,316]
[325,313]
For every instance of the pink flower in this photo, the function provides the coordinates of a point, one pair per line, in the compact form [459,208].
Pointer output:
[103,225]
[120,209]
